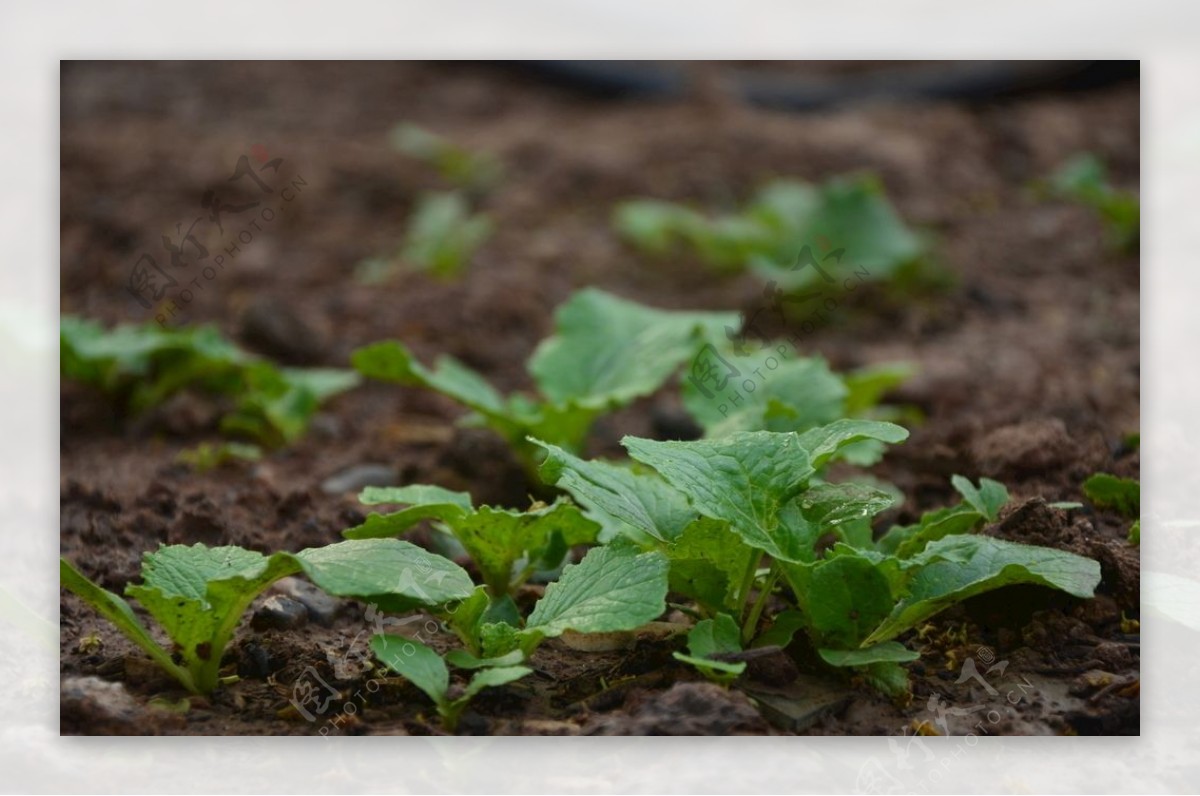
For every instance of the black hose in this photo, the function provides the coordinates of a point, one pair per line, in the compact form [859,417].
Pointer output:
[894,81]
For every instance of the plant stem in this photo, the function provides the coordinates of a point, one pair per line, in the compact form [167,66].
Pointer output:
[759,604]
[747,584]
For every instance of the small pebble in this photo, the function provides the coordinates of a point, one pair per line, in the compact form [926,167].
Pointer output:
[279,613]
[322,609]
[355,478]
[100,706]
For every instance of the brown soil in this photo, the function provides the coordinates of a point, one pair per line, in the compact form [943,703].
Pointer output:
[1028,370]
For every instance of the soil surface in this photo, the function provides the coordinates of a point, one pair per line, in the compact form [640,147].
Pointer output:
[1028,372]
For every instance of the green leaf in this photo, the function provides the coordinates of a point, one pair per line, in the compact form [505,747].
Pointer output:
[443,234]
[713,637]
[708,561]
[491,678]
[391,361]
[397,575]
[183,571]
[1084,179]
[750,478]
[642,500]
[890,678]
[848,598]
[744,479]
[498,639]
[795,395]
[987,499]
[853,213]
[841,509]
[417,663]
[199,594]
[607,351]
[980,505]
[118,611]
[497,538]
[1122,495]
[783,629]
[1135,532]
[424,502]
[207,456]
[465,660]
[653,226]
[466,617]
[476,171]
[513,418]
[908,540]
[142,366]
[867,386]
[892,651]
[827,442]
[613,588]
[955,568]
[425,669]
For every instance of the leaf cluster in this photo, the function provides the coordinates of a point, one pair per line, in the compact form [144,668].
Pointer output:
[739,515]
[140,366]
[785,216]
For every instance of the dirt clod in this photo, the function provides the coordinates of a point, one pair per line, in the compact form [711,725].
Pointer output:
[686,709]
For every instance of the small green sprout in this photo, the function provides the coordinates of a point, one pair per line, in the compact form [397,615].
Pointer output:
[785,218]
[1122,495]
[208,456]
[711,637]
[443,234]
[198,594]
[142,366]
[475,171]
[425,669]
[1084,179]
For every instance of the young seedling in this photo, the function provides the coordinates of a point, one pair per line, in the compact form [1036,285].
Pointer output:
[740,515]
[712,637]
[613,589]
[1122,495]
[785,217]
[506,546]
[142,366]
[1084,179]
[198,594]
[208,456]
[443,234]
[473,171]
[605,353]
[425,669]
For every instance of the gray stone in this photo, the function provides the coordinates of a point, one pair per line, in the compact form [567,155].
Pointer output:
[322,609]
[279,613]
[353,479]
